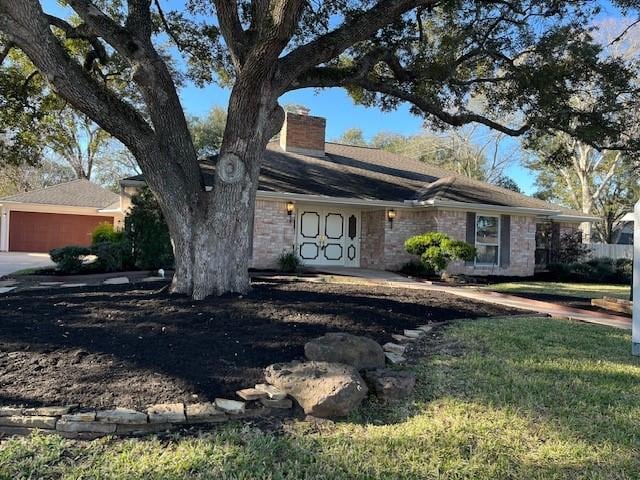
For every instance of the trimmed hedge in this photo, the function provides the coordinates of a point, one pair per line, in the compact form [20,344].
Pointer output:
[436,250]
[597,270]
[69,259]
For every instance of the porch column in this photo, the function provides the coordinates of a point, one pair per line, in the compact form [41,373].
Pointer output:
[635,329]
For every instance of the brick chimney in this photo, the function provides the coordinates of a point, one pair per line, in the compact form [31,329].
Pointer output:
[303,133]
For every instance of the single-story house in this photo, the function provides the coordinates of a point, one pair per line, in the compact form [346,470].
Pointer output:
[342,205]
[56,216]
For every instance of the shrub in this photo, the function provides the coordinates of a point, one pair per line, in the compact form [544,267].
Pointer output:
[148,233]
[436,250]
[572,250]
[69,259]
[289,262]
[112,256]
[104,232]
[417,269]
[597,270]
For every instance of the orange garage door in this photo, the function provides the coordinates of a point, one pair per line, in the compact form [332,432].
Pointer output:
[40,232]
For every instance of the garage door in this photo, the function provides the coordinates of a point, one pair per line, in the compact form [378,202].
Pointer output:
[40,232]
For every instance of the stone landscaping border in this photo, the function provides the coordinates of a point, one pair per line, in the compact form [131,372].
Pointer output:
[262,400]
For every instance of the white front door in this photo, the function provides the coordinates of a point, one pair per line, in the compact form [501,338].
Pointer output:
[328,236]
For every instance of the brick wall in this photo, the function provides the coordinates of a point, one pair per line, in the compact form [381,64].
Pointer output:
[522,239]
[272,233]
[382,247]
[406,224]
[303,134]
[372,239]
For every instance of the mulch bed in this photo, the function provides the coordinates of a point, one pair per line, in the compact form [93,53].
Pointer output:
[131,346]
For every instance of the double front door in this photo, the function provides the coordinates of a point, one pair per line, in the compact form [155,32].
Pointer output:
[328,236]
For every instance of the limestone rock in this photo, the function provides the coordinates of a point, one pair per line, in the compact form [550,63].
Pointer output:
[204,413]
[394,347]
[394,358]
[271,392]
[80,417]
[122,416]
[359,352]
[89,427]
[322,389]
[391,384]
[30,421]
[166,413]
[230,406]
[413,333]
[116,281]
[249,394]
[284,403]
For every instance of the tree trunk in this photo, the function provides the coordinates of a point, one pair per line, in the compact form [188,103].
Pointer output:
[211,229]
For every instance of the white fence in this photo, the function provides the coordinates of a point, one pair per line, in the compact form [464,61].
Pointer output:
[607,250]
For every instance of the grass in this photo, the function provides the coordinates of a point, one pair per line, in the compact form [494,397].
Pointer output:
[503,398]
[583,290]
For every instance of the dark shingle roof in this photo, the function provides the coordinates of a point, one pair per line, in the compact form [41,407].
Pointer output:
[76,193]
[373,174]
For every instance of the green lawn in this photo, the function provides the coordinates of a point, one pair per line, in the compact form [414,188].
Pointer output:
[510,398]
[584,290]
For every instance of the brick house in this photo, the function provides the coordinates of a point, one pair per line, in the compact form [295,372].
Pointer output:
[341,205]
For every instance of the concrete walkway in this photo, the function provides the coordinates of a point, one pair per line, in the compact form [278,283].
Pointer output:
[547,308]
[13,261]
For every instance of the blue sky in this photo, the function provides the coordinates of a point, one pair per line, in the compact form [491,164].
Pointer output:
[336,106]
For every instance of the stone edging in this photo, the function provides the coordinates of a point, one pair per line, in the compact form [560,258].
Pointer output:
[73,422]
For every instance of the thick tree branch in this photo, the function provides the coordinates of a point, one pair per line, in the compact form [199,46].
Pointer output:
[430,108]
[231,28]
[25,24]
[352,31]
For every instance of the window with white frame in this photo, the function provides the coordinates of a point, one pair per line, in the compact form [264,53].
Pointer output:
[487,239]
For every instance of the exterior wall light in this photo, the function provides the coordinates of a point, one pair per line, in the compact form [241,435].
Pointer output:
[289,210]
[391,214]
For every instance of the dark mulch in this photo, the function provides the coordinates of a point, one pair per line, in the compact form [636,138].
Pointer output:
[131,346]
[568,301]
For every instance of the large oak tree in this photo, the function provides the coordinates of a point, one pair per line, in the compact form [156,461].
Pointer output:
[456,62]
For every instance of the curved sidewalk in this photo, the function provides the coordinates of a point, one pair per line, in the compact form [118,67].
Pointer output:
[507,300]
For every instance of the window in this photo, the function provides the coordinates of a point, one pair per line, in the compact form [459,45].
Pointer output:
[487,239]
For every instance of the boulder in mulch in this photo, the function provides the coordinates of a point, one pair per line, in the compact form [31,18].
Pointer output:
[322,389]
[389,384]
[359,352]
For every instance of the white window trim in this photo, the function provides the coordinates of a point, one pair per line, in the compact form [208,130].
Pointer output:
[476,243]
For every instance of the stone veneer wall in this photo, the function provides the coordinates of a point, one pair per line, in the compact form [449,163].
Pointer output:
[273,233]
[523,244]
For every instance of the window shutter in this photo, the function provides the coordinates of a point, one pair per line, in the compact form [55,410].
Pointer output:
[471,232]
[505,241]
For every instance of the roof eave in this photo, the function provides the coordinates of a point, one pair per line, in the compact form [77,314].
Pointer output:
[484,207]
[303,197]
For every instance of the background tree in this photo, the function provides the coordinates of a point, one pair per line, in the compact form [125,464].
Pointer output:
[520,56]
[352,136]
[207,132]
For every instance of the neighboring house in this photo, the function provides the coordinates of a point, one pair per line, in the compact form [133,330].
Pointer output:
[626,230]
[340,205]
[56,216]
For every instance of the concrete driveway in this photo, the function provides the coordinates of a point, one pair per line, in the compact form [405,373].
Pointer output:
[13,261]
